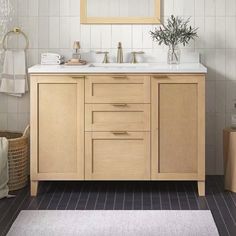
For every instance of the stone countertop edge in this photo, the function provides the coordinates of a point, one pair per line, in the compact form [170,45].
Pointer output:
[195,68]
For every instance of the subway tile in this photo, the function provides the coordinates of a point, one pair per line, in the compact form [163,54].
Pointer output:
[33,8]
[137,36]
[43,7]
[199,8]
[22,7]
[12,122]
[54,7]
[74,8]
[12,104]
[210,96]
[64,7]
[85,31]
[188,8]
[22,121]
[33,32]
[95,37]
[74,29]
[147,39]
[220,32]
[210,32]
[220,7]
[54,32]
[179,7]
[220,60]
[123,34]
[3,121]
[168,7]
[3,103]
[230,33]
[220,96]
[210,8]
[230,8]
[230,64]
[230,96]
[105,36]
[65,33]
[43,32]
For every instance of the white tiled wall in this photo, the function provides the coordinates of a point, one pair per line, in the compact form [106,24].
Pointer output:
[53,25]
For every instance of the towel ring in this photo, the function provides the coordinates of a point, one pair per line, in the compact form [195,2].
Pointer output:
[15,30]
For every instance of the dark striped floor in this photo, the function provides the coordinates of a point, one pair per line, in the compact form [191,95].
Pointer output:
[126,196]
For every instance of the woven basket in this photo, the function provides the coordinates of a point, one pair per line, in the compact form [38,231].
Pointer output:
[18,158]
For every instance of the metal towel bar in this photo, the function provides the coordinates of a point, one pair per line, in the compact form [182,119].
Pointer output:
[15,30]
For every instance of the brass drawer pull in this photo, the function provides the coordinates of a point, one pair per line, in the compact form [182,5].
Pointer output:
[160,77]
[120,105]
[78,77]
[119,132]
[120,77]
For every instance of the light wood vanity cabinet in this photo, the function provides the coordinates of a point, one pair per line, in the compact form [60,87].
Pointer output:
[118,127]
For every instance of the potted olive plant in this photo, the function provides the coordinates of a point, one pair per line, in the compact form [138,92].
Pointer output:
[177,31]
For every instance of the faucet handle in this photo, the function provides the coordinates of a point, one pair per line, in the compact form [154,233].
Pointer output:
[105,60]
[134,53]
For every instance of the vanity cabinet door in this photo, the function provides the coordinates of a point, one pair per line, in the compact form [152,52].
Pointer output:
[178,127]
[117,156]
[58,146]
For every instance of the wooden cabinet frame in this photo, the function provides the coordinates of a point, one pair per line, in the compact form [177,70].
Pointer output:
[200,174]
[139,100]
[84,19]
[34,147]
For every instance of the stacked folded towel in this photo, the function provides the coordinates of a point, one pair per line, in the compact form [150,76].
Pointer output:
[51,59]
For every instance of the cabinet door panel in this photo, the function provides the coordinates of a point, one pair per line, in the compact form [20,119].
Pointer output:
[178,127]
[60,122]
[111,156]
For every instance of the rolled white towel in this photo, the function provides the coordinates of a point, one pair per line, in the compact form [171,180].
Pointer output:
[51,56]
[52,62]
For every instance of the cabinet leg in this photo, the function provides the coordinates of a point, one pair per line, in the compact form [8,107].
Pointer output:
[34,188]
[201,188]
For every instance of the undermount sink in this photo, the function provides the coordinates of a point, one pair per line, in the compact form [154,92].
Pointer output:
[119,65]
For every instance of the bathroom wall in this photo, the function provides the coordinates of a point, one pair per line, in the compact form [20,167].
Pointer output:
[53,25]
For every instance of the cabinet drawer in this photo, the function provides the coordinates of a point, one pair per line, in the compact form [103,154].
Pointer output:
[117,89]
[117,156]
[113,117]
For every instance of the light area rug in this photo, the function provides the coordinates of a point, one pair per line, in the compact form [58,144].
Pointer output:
[114,223]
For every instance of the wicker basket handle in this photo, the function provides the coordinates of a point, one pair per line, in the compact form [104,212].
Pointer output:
[27,131]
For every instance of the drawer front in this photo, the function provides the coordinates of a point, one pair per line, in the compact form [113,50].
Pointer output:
[115,117]
[117,89]
[117,156]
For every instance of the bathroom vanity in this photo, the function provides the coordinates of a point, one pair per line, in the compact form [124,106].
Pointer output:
[118,123]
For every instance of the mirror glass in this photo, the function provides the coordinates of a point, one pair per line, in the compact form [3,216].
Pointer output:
[120,11]
[120,8]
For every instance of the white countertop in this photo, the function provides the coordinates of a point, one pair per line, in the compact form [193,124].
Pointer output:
[125,68]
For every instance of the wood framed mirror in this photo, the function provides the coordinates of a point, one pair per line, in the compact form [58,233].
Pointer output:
[120,11]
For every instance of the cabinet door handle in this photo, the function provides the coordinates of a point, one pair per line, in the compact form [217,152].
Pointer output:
[78,77]
[120,105]
[160,77]
[120,77]
[119,132]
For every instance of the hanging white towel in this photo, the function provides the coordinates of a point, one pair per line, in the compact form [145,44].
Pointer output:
[3,168]
[14,77]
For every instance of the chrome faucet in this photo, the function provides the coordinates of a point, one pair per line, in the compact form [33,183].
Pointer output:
[119,53]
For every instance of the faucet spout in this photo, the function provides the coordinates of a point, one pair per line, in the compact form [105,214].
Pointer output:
[119,53]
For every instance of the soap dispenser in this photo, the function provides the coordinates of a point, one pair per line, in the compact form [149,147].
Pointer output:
[76,55]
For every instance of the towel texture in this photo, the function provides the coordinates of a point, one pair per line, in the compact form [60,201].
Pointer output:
[14,77]
[3,168]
